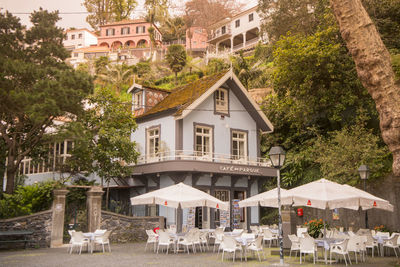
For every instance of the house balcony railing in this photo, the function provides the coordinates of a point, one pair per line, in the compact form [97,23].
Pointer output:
[186,155]
[219,33]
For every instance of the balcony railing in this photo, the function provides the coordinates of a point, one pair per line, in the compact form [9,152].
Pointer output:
[219,32]
[198,156]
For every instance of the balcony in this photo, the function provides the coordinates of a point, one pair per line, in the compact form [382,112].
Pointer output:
[219,34]
[182,160]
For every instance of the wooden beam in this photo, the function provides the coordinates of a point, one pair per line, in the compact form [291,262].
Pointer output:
[178,178]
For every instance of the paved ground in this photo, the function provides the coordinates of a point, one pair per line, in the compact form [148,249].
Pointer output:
[134,255]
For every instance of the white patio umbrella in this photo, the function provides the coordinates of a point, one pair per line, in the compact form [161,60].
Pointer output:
[369,201]
[181,195]
[265,199]
[325,194]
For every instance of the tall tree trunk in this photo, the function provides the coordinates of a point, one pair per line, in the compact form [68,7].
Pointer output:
[108,195]
[374,69]
[11,172]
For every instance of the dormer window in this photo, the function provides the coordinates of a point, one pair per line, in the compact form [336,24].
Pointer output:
[138,100]
[221,101]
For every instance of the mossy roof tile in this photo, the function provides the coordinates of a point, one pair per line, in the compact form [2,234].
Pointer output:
[181,97]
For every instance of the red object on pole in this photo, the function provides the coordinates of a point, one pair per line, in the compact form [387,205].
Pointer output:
[299,212]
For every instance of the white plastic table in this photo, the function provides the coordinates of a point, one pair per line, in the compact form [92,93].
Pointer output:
[91,237]
[326,244]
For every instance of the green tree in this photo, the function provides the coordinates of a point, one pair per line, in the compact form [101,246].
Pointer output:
[123,9]
[174,28]
[253,73]
[101,137]
[386,16]
[36,85]
[100,12]
[176,59]
[116,75]
[349,148]
[295,16]
[157,12]
[105,11]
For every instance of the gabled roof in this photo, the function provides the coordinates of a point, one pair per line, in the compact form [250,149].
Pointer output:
[183,100]
[134,87]
[183,96]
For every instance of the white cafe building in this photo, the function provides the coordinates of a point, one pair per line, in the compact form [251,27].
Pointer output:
[207,135]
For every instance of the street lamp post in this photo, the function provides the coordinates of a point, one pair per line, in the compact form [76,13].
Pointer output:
[363,170]
[277,157]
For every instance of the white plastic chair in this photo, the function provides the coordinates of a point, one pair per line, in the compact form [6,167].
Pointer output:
[269,236]
[392,242]
[237,232]
[151,238]
[351,233]
[363,246]
[187,241]
[100,232]
[300,231]
[340,249]
[230,245]
[196,239]
[164,240]
[256,246]
[372,244]
[354,245]
[70,241]
[204,240]
[307,246]
[172,228]
[78,239]
[217,235]
[255,229]
[103,240]
[295,244]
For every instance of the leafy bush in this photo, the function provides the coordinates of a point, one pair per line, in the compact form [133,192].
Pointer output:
[270,217]
[381,228]
[27,199]
[314,227]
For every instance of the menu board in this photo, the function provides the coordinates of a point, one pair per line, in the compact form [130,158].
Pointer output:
[224,218]
[235,214]
[191,218]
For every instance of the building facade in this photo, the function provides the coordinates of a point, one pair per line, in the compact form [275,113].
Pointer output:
[205,134]
[128,34]
[79,38]
[196,40]
[235,33]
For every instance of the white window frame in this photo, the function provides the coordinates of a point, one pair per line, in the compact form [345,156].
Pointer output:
[251,17]
[153,142]
[202,150]
[138,100]
[221,99]
[240,138]
[237,23]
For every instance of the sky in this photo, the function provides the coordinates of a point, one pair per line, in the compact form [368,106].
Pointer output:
[74,6]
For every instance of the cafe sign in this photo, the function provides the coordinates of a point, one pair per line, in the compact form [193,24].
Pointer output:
[228,168]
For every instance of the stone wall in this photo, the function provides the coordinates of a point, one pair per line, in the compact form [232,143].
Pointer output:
[387,188]
[128,228]
[40,223]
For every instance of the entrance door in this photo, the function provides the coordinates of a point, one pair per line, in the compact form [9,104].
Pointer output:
[199,218]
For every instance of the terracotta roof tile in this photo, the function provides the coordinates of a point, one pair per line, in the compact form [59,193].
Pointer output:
[181,97]
[127,21]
